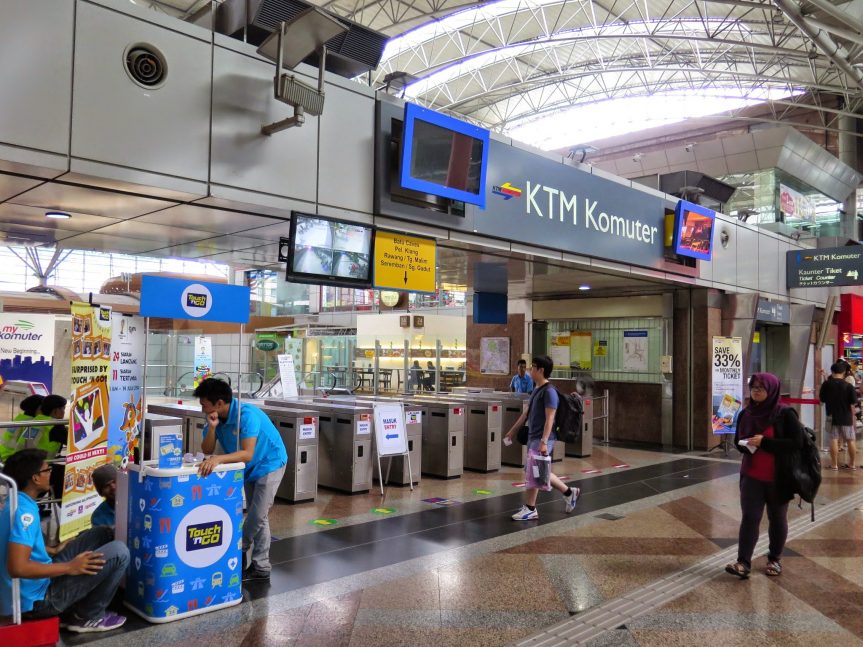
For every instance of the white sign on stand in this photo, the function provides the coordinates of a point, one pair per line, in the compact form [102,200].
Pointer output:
[288,376]
[390,436]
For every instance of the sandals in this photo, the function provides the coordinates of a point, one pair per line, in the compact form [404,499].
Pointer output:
[738,569]
[773,569]
[835,469]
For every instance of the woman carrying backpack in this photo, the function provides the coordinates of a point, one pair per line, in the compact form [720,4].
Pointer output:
[768,435]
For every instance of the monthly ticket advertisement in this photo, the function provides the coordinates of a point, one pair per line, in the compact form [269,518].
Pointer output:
[727,383]
[88,417]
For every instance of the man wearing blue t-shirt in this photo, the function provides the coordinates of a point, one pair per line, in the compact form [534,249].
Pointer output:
[521,381]
[83,576]
[261,449]
[540,435]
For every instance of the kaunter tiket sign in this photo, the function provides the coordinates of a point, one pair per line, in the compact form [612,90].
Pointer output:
[404,262]
[818,268]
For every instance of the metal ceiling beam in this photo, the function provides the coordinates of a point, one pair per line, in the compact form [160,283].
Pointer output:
[847,34]
[837,13]
[821,39]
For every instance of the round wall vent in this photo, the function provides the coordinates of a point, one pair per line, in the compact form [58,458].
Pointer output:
[146,66]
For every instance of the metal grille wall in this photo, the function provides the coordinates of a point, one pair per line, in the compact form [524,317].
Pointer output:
[621,349]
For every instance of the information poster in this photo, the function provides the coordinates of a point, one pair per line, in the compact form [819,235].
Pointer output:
[390,436]
[635,351]
[203,360]
[600,348]
[727,383]
[288,376]
[494,355]
[560,351]
[26,347]
[125,387]
[88,417]
[581,349]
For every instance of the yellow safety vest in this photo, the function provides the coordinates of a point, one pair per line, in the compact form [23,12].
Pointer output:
[39,437]
[9,438]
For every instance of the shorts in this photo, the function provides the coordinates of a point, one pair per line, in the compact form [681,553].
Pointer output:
[533,443]
[842,432]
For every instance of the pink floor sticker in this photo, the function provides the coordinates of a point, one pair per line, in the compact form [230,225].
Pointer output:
[620,466]
[594,471]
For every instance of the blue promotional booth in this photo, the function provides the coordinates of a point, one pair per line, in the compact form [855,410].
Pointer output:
[184,532]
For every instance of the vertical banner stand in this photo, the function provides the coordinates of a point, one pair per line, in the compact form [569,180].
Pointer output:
[391,438]
[142,433]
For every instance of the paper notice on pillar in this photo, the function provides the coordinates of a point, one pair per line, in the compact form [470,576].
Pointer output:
[288,376]
[727,391]
[125,387]
[89,415]
[203,360]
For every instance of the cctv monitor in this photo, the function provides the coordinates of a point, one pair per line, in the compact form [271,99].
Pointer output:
[324,251]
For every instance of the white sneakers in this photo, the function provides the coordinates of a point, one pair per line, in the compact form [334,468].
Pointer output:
[571,499]
[525,514]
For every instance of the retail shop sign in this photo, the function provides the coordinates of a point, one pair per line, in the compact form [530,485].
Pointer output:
[827,267]
[404,262]
[566,208]
[197,300]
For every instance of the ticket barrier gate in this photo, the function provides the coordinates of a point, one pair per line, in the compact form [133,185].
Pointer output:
[299,431]
[443,433]
[516,453]
[583,445]
[397,466]
[344,442]
[482,437]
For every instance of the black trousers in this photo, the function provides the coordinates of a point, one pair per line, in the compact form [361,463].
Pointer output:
[755,495]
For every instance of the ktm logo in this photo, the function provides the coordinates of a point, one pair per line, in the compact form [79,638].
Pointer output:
[507,191]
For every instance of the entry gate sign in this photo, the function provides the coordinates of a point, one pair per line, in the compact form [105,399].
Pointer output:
[827,267]
[390,435]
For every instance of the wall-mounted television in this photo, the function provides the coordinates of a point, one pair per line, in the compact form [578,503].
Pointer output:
[443,156]
[693,230]
[325,251]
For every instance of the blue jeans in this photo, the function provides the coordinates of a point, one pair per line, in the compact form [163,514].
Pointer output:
[87,595]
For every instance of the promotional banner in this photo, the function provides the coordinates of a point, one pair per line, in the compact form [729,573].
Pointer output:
[125,387]
[26,347]
[635,347]
[581,349]
[794,205]
[183,299]
[88,417]
[727,383]
[203,360]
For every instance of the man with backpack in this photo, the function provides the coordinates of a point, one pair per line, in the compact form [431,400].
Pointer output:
[840,399]
[540,417]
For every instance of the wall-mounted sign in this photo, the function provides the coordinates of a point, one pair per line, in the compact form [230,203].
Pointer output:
[405,321]
[404,262]
[773,311]
[819,268]
[419,321]
[181,299]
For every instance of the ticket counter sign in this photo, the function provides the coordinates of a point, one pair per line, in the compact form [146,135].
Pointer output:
[824,267]
[405,262]
[182,299]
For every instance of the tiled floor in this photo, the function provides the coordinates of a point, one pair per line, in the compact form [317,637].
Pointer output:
[468,575]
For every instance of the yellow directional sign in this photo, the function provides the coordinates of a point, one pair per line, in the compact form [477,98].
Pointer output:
[404,262]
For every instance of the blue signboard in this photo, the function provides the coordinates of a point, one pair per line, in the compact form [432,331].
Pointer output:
[185,543]
[184,299]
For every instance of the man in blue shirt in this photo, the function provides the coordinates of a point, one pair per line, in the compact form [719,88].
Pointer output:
[540,413]
[521,382]
[261,449]
[105,482]
[83,575]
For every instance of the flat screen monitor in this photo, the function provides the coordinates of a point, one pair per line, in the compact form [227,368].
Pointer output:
[329,252]
[443,156]
[693,230]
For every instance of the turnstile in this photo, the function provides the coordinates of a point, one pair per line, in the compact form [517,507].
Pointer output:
[344,443]
[482,434]
[443,431]
[516,453]
[299,431]
[583,445]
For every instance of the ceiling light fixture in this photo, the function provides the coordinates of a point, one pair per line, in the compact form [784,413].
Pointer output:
[57,215]
[584,287]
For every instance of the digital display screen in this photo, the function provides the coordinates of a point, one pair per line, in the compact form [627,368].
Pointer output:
[329,251]
[443,156]
[693,230]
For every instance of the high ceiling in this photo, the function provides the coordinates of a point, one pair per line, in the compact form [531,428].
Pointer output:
[505,63]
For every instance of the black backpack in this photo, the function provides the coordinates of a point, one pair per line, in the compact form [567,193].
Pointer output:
[806,470]
[567,418]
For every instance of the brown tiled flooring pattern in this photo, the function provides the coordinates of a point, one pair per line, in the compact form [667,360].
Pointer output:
[514,588]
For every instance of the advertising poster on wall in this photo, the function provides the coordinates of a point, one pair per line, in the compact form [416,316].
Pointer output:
[794,205]
[635,350]
[26,347]
[203,360]
[559,349]
[581,350]
[494,355]
[727,384]
[88,417]
[125,387]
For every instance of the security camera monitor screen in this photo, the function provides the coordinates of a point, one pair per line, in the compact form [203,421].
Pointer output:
[693,230]
[444,156]
[329,252]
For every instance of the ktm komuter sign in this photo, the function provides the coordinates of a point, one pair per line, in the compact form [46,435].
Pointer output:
[821,268]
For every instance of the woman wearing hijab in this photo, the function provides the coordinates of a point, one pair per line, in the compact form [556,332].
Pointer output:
[767,435]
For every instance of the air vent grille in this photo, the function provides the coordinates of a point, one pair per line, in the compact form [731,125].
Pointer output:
[146,66]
